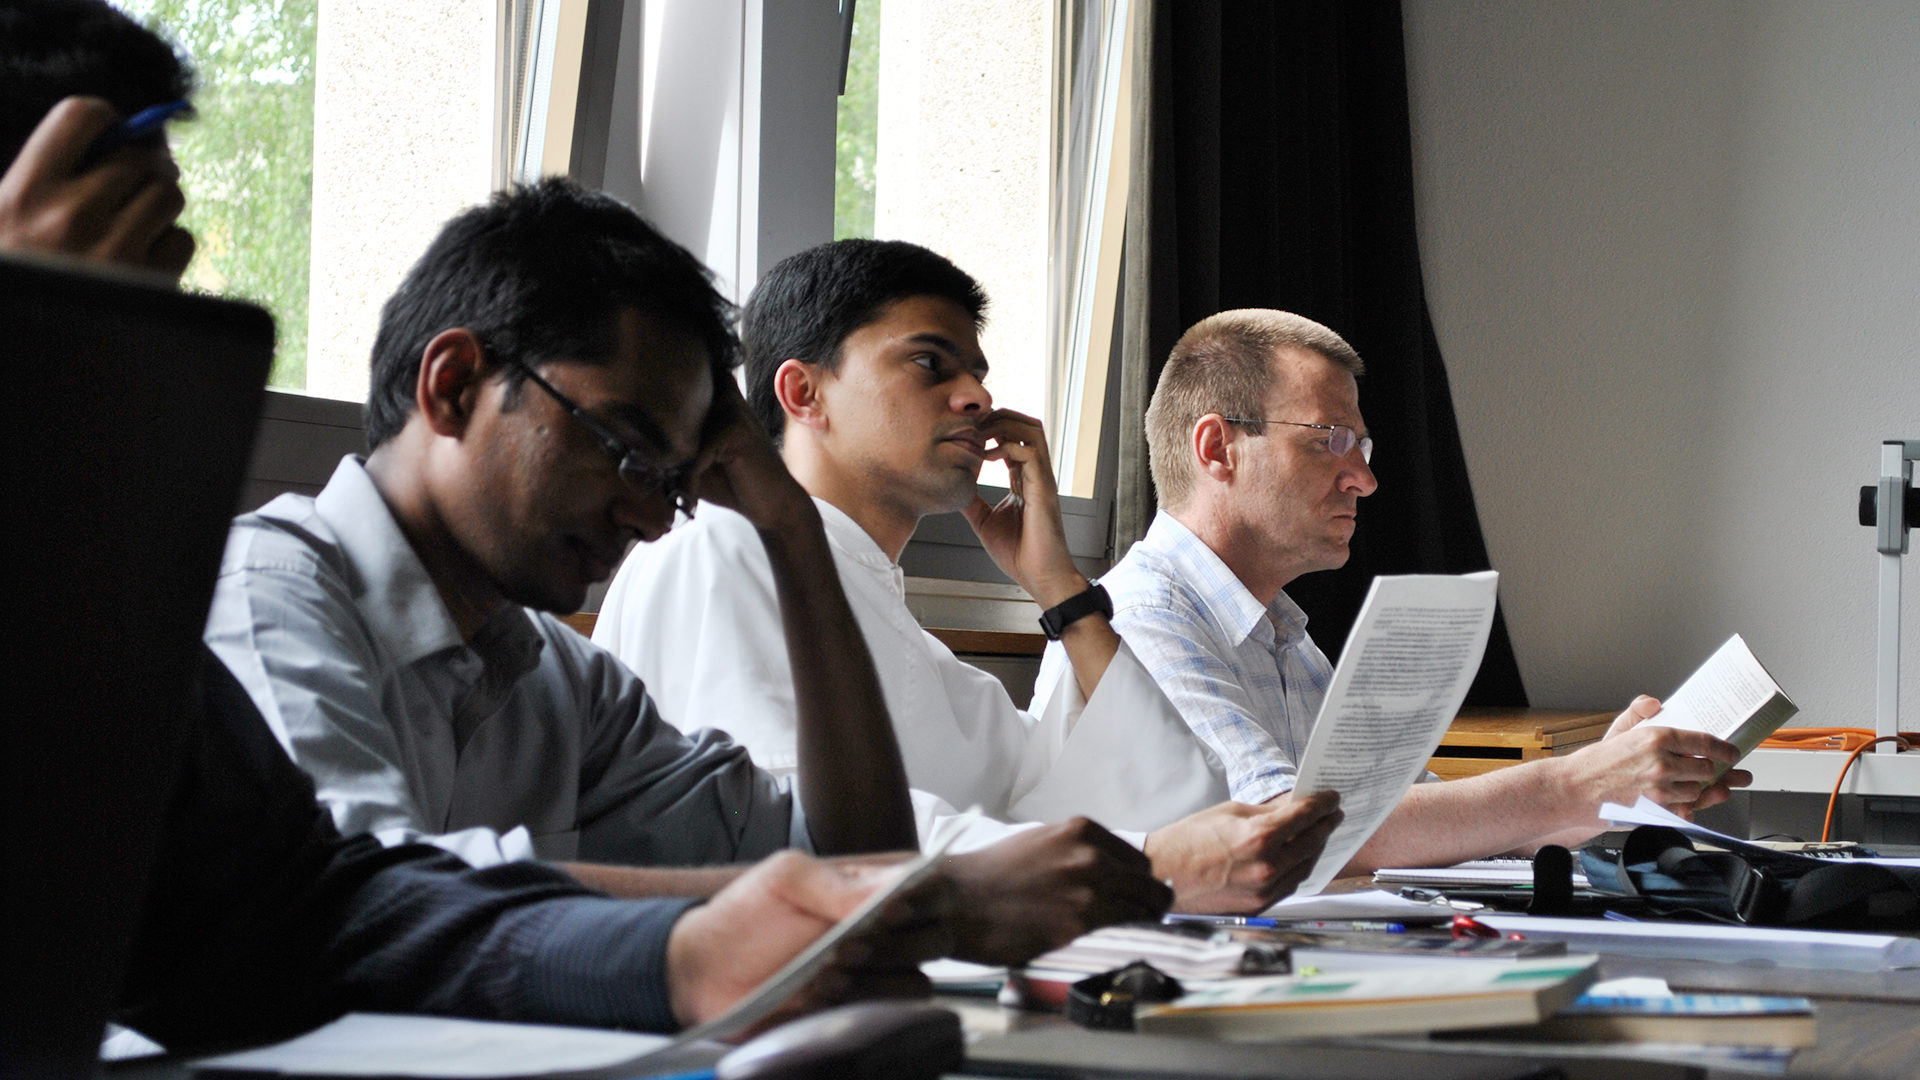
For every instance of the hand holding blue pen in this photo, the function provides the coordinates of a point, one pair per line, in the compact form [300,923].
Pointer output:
[138,126]
[1223,920]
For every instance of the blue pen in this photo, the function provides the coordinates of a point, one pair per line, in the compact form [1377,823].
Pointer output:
[1347,924]
[1225,920]
[137,127]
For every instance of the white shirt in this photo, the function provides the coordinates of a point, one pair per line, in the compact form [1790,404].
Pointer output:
[525,742]
[1246,675]
[696,615]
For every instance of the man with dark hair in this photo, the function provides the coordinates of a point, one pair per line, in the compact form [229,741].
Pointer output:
[69,71]
[394,632]
[866,355]
[570,392]
[1261,459]
[260,918]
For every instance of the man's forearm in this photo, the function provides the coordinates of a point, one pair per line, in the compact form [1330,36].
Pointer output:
[851,778]
[640,882]
[1439,824]
[1090,642]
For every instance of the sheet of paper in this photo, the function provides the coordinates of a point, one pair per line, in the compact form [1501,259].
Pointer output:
[769,996]
[1723,695]
[377,1044]
[1413,652]
[1645,811]
[1365,904]
[1831,950]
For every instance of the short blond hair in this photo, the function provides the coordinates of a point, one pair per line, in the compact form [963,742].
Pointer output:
[1224,364]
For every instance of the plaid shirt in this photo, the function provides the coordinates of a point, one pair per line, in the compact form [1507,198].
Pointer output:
[1247,678]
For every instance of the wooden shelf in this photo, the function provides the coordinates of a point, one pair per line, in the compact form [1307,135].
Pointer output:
[991,642]
[1481,740]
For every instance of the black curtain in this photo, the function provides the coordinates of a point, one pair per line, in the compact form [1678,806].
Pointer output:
[1281,176]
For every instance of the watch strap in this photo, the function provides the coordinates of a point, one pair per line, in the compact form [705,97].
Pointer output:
[1106,1001]
[1094,600]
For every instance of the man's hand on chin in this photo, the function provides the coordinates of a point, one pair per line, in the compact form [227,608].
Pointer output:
[1023,532]
[718,952]
[1236,858]
[1045,886]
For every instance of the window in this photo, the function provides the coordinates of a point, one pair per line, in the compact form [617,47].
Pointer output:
[995,134]
[247,163]
[335,137]
[943,140]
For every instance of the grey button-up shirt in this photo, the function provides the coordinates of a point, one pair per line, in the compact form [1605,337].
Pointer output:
[526,742]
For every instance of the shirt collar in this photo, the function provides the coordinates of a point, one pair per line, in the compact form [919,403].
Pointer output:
[397,598]
[1220,589]
[849,539]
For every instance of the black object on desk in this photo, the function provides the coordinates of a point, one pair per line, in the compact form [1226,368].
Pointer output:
[130,411]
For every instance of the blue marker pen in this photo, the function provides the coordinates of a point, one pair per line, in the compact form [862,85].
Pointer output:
[1224,920]
[137,127]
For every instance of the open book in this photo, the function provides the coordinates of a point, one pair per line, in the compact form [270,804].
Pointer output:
[1413,652]
[1730,697]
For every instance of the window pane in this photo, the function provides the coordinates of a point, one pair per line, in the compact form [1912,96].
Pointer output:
[961,165]
[854,151]
[247,162]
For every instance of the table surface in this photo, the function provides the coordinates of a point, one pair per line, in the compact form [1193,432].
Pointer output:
[1867,1027]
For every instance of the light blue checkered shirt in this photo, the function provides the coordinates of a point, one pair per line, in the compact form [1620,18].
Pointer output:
[1247,678]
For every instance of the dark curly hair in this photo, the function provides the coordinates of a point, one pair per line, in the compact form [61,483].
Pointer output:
[54,49]
[808,303]
[540,273]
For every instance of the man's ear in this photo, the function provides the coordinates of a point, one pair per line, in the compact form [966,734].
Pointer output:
[797,385]
[453,368]
[1212,447]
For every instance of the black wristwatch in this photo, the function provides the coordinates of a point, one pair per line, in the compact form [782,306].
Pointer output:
[1055,620]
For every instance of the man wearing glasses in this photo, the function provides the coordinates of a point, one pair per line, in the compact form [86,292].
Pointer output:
[547,384]
[1261,458]
[864,358]
[552,381]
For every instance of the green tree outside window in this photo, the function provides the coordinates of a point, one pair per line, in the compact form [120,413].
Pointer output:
[859,123]
[246,162]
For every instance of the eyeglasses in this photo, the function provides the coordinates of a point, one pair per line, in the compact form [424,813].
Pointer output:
[642,475]
[1341,439]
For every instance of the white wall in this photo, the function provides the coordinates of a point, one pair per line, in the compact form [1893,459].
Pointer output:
[1673,258]
[402,141]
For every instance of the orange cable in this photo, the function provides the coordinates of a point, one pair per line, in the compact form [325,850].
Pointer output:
[1827,827]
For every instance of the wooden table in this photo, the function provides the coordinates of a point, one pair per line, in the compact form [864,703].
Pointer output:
[1484,739]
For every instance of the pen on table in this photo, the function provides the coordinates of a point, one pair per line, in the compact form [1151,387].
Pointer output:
[1224,920]
[1429,896]
[137,127]
[1346,924]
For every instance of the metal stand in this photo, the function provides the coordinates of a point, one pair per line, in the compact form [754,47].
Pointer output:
[1890,509]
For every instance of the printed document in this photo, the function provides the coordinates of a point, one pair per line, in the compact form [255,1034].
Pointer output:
[1408,662]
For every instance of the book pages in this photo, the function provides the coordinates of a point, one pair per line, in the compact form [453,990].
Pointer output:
[1730,697]
[1408,662]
